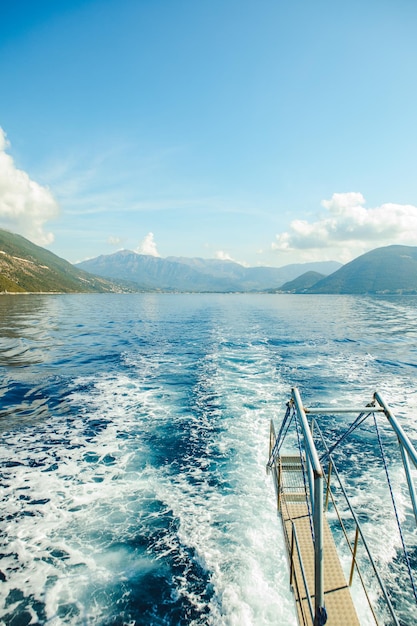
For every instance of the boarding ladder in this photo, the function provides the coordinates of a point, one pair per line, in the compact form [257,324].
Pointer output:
[304,490]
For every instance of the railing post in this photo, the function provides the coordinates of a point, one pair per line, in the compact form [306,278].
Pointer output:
[311,484]
[355,547]
[318,551]
[292,553]
[316,499]
[329,474]
[278,482]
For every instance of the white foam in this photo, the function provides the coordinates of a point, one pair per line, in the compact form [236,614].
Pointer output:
[70,551]
[96,483]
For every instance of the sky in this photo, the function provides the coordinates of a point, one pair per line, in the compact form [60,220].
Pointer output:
[268,132]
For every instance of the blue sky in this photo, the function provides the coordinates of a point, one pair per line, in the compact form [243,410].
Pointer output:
[267,131]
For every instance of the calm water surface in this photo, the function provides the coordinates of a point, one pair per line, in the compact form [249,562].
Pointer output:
[135,438]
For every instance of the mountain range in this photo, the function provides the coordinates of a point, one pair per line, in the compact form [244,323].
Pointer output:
[196,274]
[27,268]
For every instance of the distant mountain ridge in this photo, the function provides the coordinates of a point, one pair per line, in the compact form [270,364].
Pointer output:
[196,274]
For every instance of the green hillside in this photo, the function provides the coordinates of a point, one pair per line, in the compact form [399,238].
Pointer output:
[302,283]
[27,268]
[389,270]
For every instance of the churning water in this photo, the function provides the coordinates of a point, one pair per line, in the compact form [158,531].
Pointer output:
[135,438]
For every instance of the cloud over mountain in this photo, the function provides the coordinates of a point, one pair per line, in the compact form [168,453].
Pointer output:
[350,228]
[148,246]
[25,206]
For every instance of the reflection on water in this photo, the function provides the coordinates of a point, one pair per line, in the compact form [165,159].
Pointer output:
[25,328]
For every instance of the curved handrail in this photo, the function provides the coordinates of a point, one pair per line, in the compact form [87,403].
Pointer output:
[316,476]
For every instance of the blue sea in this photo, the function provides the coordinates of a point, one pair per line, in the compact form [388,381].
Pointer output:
[134,441]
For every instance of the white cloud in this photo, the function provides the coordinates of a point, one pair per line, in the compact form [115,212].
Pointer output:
[25,205]
[4,143]
[223,256]
[114,241]
[148,246]
[348,229]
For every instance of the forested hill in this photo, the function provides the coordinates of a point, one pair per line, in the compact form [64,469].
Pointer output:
[388,270]
[27,268]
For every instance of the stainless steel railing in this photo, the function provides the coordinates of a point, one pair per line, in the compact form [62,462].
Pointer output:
[317,480]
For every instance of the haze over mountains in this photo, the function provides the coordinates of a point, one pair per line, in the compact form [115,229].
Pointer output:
[195,274]
[387,270]
[27,268]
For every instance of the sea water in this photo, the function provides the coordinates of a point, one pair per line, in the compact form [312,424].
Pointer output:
[134,440]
